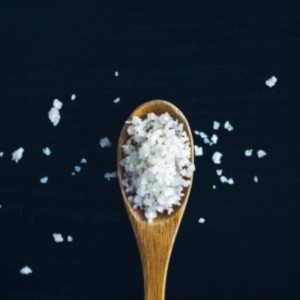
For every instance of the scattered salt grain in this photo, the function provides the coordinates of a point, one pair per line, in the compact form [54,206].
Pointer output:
[230,181]
[109,175]
[54,116]
[201,220]
[196,132]
[224,179]
[47,151]
[248,152]
[17,154]
[44,180]
[73,173]
[219,172]
[1,154]
[271,81]
[216,158]
[73,97]
[105,142]
[26,271]
[203,134]
[198,150]
[58,238]
[0,206]
[69,238]
[228,126]
[117,100]
[116,73]
[214,139]
[83,161]
[216,125]
[57,104]
[214,186]
[255,179]
[261,153]
[77,169]
[156,163]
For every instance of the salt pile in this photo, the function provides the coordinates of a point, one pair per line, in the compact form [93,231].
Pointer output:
[156,163]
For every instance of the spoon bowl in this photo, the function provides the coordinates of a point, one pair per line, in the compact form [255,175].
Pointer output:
[155,239]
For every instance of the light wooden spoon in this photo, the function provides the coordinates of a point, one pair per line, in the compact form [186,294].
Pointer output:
[156,239]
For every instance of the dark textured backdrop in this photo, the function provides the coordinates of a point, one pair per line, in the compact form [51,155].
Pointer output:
[211,59]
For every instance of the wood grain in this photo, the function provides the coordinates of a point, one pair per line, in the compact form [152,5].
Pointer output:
[156,239]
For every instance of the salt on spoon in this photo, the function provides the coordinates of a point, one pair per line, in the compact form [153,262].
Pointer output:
[155,239]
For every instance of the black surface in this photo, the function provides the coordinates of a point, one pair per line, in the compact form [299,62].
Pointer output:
[210,58]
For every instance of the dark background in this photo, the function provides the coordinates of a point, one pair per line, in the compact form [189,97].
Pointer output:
[211,59]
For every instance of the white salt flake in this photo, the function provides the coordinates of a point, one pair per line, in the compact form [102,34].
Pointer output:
[73,97]
[83,161]
[26,271]
[105,142]
[216,158]
[228,126]
[57,104]
[44,180]
[224,179]
[255,179]
[73,174]
[214,139]
[116,73]
[109,175]
[47,151]
[69,238]
[201,220]
[77,169]
[198,150]
[54,116]
[117,100]
[203,135]
[216,125]
[58,238]
[214,186]
[261,153]
[196,132]
[219,172]
[248,152]
[1,154]
[230,181]
[17,154]
[271,81]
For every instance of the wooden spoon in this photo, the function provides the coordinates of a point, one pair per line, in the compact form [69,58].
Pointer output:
[156,239]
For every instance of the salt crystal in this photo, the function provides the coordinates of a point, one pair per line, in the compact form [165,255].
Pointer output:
[77,169]
[198,150]
[117,100]
[69,238]
[201,220]
[216,125]
[216,158]
[47,151]
[44,180]
[214,186]
[57,104]
[223,179]
[261,153]
[248,152]
[116,73]
[1,154]
[255,178]
[54,116]
[228,126]
[271,81]
[196,132]
[105,142]
[26,270]
[73,173]
[230,181]
[73,97]
[214,138]
[203,134]
[109,175]
[58,238]
[17,154]
[219,172]
[83,161]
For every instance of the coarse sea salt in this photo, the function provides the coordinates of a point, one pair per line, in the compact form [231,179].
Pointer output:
[214,186]
[261,153]
[224,179]
[109,175]
[47,151]
[117,100]
[54,116]
[116,73]
[105,142]
[201,220]
[58,238]
[248,152]
[216,125]
[255,179]
[17,154]
[157,164]
[44,180]
[228,126]
[198,150]
[73,97]
[214,139]
[69,238]
[77,169]
[219,172]
[57,104]
[83,160]
[216,157]
[1,154]
[26,271]
[271,81]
